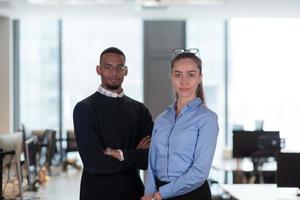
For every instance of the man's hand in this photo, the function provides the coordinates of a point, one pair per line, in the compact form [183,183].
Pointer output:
[144,143]
[112,152]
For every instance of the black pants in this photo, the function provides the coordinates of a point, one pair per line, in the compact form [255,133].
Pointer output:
[119,186]
[201,193]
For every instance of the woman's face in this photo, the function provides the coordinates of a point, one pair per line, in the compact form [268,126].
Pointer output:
[185,78]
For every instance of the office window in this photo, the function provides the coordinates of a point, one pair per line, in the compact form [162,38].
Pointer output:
[83,41]
[208,37]
[39,85]
[264,75]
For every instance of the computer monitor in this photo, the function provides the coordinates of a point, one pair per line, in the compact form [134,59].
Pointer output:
[288,170]
[255,143]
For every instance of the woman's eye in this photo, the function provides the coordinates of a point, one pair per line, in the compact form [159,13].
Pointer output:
[191,75]
[177,75]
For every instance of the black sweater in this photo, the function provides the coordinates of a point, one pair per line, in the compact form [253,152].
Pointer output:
[118,123]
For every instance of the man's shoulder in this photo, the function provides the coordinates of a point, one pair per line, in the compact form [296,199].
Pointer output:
[88,101]
[133,101]
[137,105]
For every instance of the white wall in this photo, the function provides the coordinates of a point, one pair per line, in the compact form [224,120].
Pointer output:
[5,74]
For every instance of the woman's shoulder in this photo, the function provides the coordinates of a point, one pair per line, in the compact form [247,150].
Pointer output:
[207,112]
[161,116]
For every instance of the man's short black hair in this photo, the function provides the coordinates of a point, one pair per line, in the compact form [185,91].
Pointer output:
[112,50]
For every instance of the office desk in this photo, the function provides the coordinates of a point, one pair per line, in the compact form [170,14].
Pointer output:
[245,165]
[240,167]
[260,192]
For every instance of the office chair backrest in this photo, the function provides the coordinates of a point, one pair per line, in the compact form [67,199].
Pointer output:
[71,141]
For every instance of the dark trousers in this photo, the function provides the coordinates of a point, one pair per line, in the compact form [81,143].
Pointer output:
[120,186]
[201,193]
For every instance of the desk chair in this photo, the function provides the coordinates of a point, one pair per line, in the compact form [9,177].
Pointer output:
[71,147]
[47,149]
[30,147]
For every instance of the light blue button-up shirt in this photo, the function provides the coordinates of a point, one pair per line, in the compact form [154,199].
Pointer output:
[182,149]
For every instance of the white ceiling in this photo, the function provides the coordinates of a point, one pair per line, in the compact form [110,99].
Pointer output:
[6,3]
[161,9]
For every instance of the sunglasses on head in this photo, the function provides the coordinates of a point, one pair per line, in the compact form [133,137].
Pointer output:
[180,51]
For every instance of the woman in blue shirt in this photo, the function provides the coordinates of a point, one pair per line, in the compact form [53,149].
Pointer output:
[184,137]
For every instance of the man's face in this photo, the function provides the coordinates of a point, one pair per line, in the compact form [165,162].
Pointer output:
[112,71]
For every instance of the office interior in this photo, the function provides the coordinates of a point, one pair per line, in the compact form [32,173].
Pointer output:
[49,50]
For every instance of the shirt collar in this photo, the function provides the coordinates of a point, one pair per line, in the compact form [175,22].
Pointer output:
[195,102]
[110,93]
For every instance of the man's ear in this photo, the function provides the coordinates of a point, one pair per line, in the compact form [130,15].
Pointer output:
[126,71]
[98,69]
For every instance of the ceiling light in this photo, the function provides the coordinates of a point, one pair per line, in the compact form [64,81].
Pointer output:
[179,2]
[75,2]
